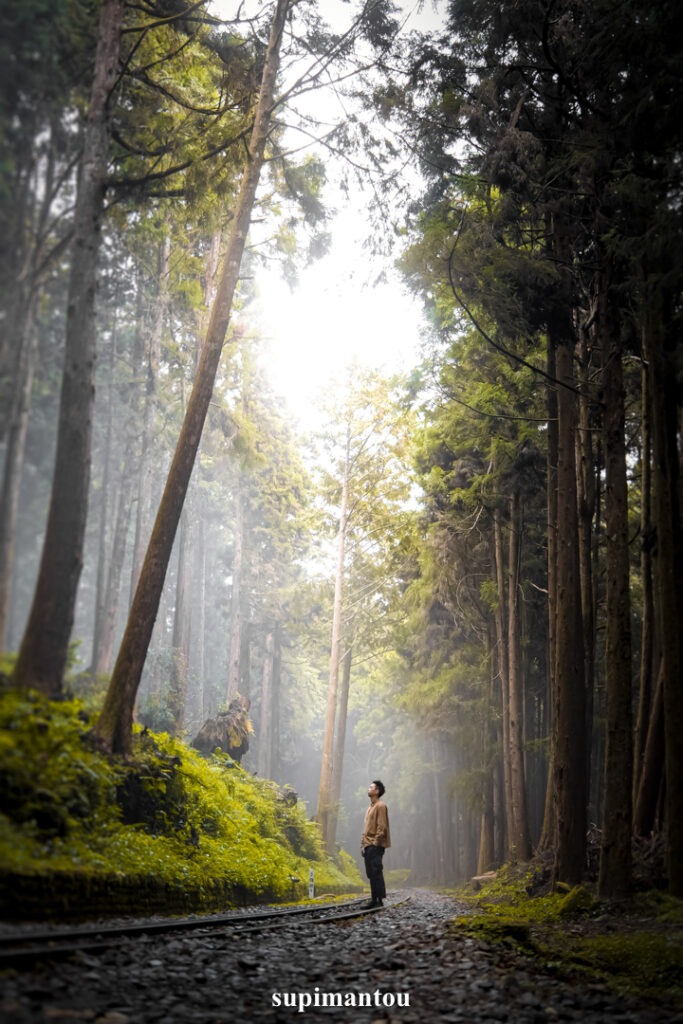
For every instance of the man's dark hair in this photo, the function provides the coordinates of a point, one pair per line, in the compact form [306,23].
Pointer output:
[380,786]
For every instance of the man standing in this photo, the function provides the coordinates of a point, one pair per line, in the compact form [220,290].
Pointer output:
[374,840]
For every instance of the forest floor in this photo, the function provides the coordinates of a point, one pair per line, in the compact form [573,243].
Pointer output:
[635,945]
[413,962]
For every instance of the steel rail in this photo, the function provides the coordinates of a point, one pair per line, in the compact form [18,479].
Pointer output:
[60,943]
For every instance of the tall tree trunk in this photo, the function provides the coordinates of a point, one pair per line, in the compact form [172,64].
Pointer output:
[235,652]
[326,788]
[615,860]
[520,842]
[439,847]
[106,491]
[44,648]
[116,720]
[503,673]
[103,649]
[652,768]
[647,639]
[182,625]
[548,837]
[586,500]
[265,750]
[340,742]
[14,462]
[661,350]
[152,344]
[569,711]
[486,857]
[200,632]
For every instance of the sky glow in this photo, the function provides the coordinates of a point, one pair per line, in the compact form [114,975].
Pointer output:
[336,318]
[340,314]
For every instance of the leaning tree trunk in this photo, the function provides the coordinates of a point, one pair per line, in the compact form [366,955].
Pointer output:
[44,648]
[116,721]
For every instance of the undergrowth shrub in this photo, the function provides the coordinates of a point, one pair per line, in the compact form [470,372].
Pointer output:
[165,814]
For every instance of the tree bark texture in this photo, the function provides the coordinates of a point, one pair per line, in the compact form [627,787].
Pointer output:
[661,346]
[548,837]
[651,776]
[44,648]
[569,712]
[116,720]
[615,860]
[647,638]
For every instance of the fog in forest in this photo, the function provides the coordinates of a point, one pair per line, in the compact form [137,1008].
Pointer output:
[340,392]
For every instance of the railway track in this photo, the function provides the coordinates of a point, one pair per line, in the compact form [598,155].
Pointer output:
[22,949]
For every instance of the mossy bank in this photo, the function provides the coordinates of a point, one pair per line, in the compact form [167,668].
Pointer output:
[635,947]
[164,830]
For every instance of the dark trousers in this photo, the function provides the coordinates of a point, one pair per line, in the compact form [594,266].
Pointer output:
[375,872]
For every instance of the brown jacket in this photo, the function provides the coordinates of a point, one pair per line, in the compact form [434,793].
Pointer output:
[376,826]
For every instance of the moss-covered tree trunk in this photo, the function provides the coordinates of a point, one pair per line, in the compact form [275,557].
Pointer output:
[116,720]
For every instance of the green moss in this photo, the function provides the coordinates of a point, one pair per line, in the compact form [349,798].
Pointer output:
[493,929]
[577,902]
[636,948]
[638,963]
[197,831]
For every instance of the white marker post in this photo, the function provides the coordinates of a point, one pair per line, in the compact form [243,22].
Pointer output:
[311,884]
